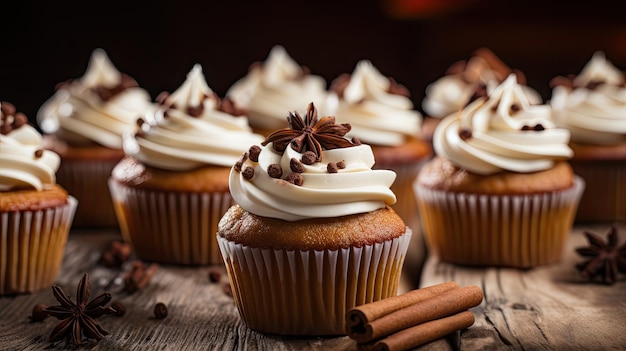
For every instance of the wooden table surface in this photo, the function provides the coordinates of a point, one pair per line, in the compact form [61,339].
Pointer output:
[546,308]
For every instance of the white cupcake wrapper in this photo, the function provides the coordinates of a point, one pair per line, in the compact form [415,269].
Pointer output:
[32,244]
[87,182]
[293,292]
[170,227]
[498,230]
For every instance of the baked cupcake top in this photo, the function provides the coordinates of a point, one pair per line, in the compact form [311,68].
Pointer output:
[24,164]
[310,170]
[592,105]
[467,80]
[278,84]
[502,132]
[99,107]
[189,131]
[378,109]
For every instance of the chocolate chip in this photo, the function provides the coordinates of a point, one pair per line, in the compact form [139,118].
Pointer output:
[38,153]
[240,162]
[119,308]
[195,111]
[296,166]
[538,128]
[160,310]
[341,164]
[275,170]
[294,178]
[214,275]
[254,152]
[515,108]
[308,158]
[248,173]
[331,167]
[465,134]
[525,128]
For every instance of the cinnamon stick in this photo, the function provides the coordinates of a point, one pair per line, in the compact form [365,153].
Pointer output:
[436,307]
[422,333]
[359,316]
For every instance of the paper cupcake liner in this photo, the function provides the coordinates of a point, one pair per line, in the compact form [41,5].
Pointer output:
[170,227]
[520,231]
[87,182]
[293,292]
[31,247]
[604,198]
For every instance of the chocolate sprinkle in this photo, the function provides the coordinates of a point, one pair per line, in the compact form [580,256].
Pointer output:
[248,173]
[296,166]
[294,178]
[275,170]
[254,152]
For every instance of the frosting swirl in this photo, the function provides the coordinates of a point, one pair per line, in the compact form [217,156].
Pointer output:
[502,132]
[467,80]
[592,105]
[282,180]
[24,164]
[189,131]
[377,108]
[100,107]
[278,84]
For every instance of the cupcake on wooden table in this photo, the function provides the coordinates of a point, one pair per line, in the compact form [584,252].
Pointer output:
[465,81]
[274,86]
[312,233]
[500,191]
[35,212]
[85,120]
[172,188]
[592,105]
[382,116]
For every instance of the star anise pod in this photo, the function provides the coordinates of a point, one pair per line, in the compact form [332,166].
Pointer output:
[310,134]
[78,319]
[604,259]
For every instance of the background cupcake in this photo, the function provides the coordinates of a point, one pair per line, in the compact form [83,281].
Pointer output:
[312,234]
[465,81]
[85,120]
[35,213]
[592,106]
[172,188]
[382,115]
[274,86]
[500,191]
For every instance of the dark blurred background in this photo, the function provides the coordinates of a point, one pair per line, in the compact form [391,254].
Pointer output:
[414,41]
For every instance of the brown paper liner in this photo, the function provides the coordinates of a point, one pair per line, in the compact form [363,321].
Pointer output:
[498,230]
[604,198]
[170,227]
[31,247]
[87,182]
[309,292]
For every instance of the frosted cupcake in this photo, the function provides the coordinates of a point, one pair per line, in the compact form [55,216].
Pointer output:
[382,116]
[312,233]
[500,191]
[35,212]
[274,86]
[172,188]
[85,120]
[464,82]
[592,106]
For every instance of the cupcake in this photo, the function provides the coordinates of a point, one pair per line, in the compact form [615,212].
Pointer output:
[465,81]
[499,191]
[35,212]
[171,189]
[84,122]
[279,84]
[312,233]
[382,116]
[592,106]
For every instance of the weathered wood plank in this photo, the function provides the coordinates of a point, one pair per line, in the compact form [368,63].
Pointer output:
[546,308]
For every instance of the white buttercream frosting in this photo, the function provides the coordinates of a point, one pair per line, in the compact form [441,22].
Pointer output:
[190,132]
[377,115]
[79,114]
[489,136]
[274,87]
[23,162]
[453,91]
[594,107]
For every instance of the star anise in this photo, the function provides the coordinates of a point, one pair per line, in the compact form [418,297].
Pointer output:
[604,259]
[310,134]
[78,319]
